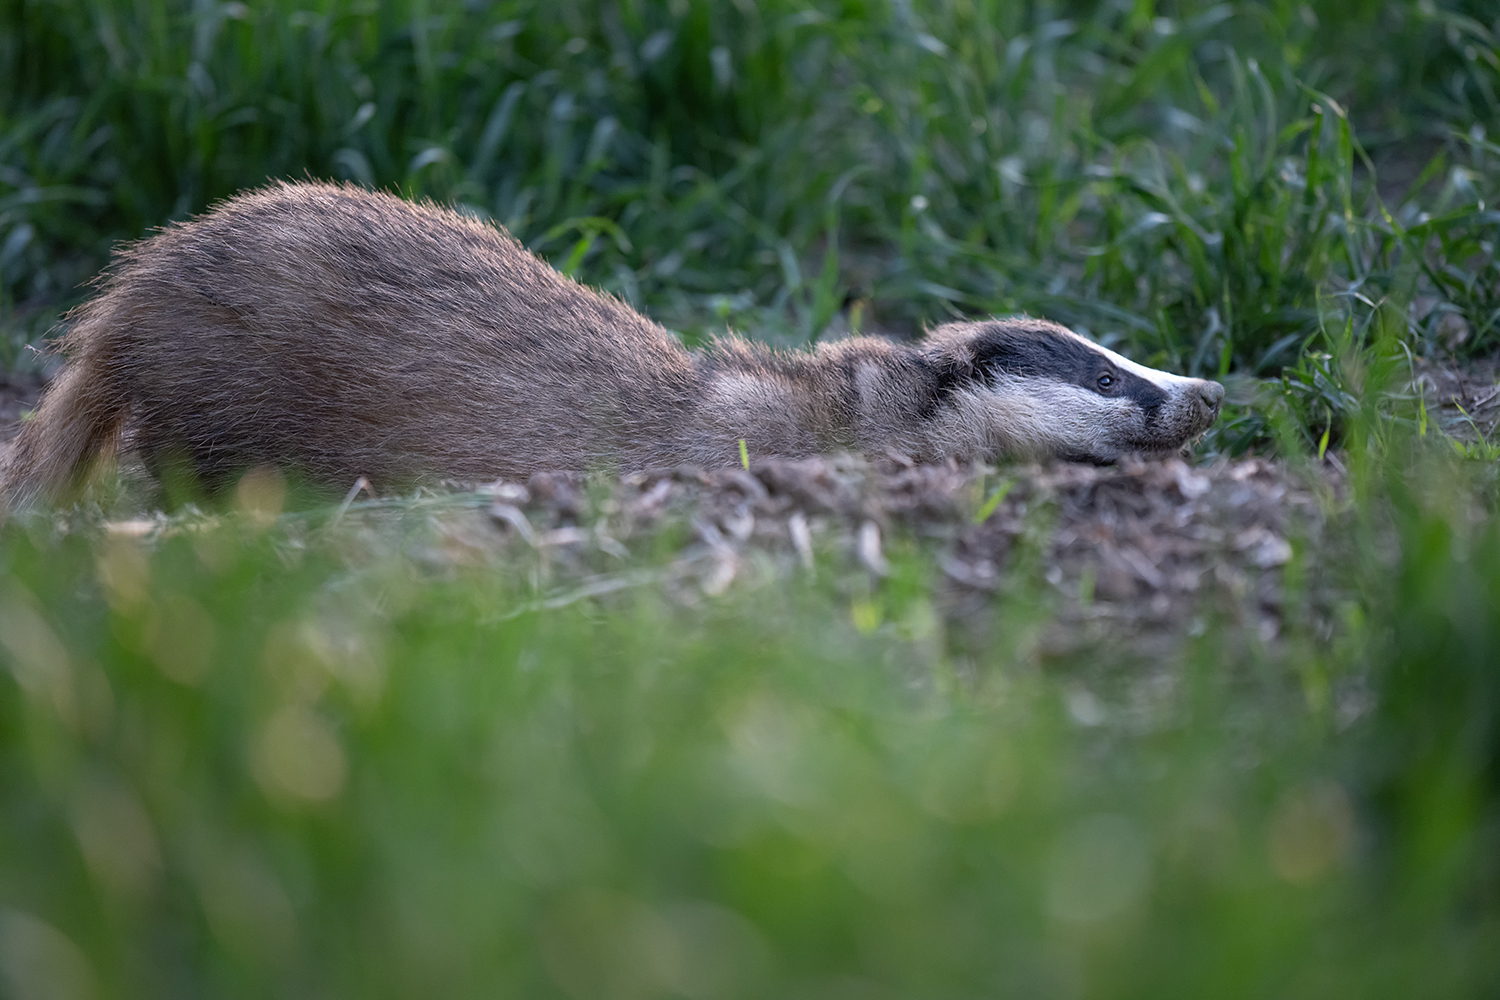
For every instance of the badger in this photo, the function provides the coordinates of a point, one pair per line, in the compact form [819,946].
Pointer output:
[345,333]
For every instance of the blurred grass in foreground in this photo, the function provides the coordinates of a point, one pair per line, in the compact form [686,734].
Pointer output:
[257,759]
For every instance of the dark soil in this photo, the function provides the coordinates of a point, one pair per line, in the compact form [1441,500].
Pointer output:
[1143,553]
[1466,397]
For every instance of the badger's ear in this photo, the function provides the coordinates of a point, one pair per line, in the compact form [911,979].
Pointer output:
[950,351]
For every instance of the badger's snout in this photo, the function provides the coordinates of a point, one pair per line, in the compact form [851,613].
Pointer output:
[1194,406]
[1210,396]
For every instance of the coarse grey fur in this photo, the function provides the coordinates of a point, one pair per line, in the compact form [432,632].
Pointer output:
[345,333]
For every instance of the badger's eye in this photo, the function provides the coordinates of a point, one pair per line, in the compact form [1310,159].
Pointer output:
[1106,381]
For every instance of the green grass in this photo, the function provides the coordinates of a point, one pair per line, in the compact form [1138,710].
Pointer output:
[340,755]
[303,758]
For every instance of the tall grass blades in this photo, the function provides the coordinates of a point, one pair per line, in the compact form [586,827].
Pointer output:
[1183,181]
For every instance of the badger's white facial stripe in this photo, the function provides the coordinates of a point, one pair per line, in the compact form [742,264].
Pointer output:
[1164,380]
[1046,351]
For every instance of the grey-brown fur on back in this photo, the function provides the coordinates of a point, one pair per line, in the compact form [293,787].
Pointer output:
[347,333]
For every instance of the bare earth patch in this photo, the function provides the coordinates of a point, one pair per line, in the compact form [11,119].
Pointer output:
[1466,396]
[1138,555]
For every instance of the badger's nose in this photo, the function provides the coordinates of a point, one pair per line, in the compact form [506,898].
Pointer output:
[1210,395]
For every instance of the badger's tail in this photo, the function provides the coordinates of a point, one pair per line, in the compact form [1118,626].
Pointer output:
[79,417]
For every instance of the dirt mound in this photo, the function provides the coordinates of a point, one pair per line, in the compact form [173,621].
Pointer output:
[1143,550]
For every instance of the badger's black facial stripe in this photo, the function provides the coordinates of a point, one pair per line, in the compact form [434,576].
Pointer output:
[1040,353]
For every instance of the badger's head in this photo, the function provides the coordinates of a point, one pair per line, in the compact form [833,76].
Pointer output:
[1030,387]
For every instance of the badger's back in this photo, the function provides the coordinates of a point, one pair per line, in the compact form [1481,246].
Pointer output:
[352,333]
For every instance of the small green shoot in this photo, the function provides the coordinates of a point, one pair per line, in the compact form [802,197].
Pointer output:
[993,501]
